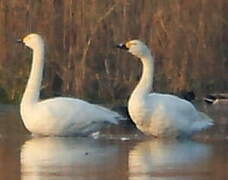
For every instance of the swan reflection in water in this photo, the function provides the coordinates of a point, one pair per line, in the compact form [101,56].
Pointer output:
[169,160]
[64,158]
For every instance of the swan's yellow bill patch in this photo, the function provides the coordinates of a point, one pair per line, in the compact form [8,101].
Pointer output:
[26,38]
[129,44]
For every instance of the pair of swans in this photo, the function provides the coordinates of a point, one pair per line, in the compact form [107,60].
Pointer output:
[154,114]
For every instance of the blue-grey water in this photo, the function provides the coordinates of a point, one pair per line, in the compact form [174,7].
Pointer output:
[122,153]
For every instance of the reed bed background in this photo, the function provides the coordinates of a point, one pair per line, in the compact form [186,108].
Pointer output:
[189,41]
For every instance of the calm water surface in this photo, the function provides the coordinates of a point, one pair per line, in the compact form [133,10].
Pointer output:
[109,157]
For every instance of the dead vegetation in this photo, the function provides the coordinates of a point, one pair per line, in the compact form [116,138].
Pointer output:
[188,38]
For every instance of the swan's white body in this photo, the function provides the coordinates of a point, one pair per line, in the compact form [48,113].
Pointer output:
[160,115]
[60,116]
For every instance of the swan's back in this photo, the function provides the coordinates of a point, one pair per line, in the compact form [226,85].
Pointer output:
[63,105]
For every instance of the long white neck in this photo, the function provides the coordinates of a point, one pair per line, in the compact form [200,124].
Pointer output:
[32,91]
[145,84]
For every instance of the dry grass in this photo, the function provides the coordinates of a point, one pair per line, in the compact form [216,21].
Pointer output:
[188,38]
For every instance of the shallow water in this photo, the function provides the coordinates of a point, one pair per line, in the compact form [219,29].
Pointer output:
[134,157]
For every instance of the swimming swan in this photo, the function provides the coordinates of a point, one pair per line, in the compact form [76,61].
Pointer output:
[160,115]
[61,116]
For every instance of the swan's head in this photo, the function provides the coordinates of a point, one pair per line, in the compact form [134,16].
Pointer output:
[136,47]
[32,40]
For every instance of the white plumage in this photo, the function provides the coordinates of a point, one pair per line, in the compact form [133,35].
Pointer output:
[61,116]
[160,115]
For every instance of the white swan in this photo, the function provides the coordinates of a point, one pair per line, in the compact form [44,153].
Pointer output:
[60,116]
[160,115]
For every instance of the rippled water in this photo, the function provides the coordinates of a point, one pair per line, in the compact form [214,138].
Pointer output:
[109,157]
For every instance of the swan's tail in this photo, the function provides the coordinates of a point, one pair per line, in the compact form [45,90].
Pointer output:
[203,123]
[111,116]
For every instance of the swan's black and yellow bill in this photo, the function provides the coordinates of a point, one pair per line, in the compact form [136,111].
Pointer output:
[122,46]
[20,41]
